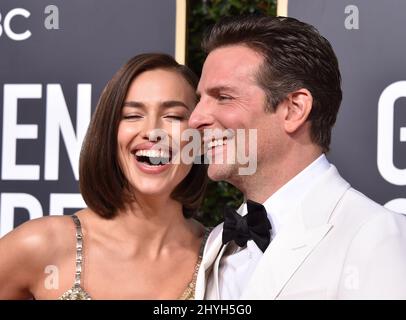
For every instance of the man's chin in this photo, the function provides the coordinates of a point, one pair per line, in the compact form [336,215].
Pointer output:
[220,172]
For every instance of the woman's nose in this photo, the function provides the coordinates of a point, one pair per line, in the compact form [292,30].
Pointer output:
[150,128]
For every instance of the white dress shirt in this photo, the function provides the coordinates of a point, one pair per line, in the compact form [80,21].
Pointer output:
[238,264]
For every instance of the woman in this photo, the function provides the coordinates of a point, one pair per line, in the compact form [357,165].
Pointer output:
[136,239]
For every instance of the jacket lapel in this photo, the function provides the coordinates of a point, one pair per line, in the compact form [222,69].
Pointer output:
[214,292]
[306,227]
[210,256]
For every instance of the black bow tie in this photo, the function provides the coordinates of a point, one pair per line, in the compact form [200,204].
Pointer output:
[253,226]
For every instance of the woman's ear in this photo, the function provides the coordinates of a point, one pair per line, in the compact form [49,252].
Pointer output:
[298,105]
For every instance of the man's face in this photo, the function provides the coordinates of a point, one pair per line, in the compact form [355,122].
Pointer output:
[232,99]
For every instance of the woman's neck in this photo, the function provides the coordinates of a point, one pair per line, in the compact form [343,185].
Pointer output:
[150,224]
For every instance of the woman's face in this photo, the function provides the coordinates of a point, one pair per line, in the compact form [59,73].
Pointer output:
[158,102]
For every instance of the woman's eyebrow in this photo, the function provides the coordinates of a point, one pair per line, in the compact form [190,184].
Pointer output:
[164,104]
[133,104]
[174,103]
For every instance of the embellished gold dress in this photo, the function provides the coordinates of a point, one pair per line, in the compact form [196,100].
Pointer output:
[78,293]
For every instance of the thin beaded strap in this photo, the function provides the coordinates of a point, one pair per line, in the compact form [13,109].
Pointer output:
[79,250]
[201,250]
[206,235]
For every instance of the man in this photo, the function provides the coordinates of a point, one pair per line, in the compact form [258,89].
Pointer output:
[327,241]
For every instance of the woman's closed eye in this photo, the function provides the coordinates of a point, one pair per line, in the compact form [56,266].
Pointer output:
[174,117]
[132,116]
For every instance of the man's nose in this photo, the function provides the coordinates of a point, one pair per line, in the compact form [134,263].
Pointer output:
[200,117]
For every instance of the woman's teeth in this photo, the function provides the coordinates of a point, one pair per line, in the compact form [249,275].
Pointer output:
[152,157]
[152,153]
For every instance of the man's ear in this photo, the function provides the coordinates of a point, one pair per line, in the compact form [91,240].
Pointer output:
[298,106]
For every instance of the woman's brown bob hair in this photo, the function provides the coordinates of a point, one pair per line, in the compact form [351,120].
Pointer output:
[102,183]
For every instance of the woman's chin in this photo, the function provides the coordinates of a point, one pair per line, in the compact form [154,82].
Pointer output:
[151,191]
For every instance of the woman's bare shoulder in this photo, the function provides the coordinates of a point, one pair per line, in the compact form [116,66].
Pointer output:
[40,234]
[27,249]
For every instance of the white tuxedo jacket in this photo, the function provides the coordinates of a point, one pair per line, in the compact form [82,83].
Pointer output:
[337,244]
